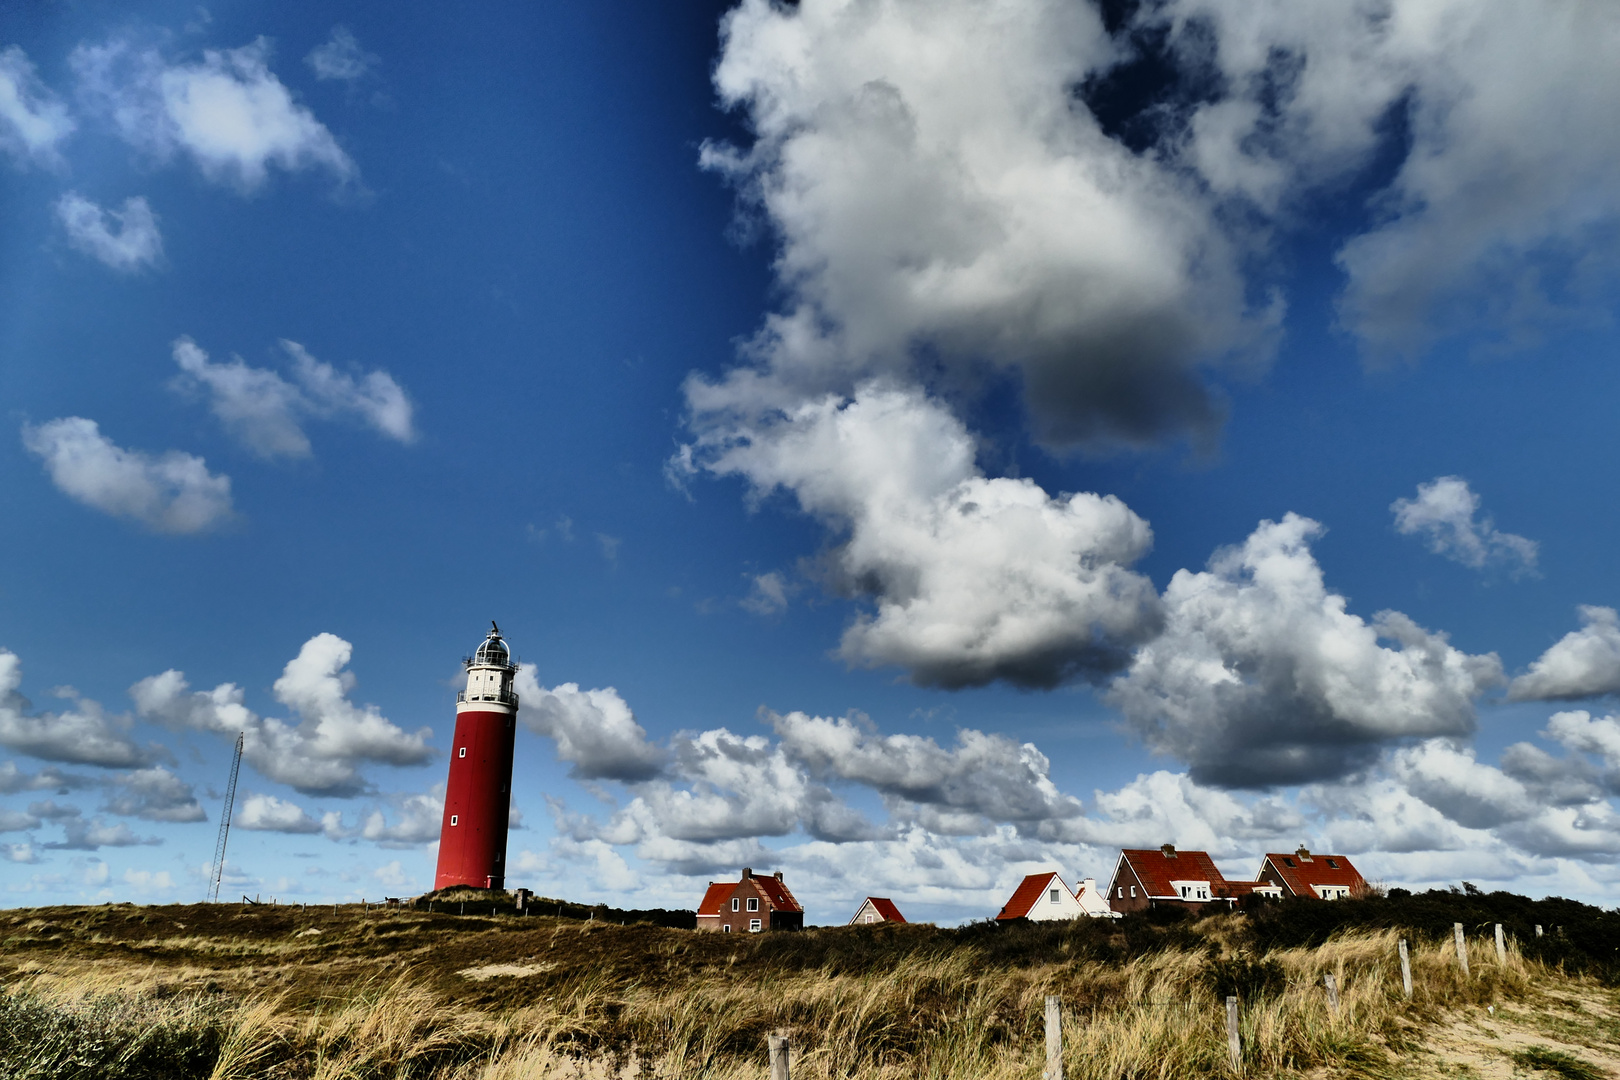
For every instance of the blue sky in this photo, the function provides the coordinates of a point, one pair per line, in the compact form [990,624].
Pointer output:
[877,425]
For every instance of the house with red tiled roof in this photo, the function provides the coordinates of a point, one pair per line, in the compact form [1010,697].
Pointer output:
[1318,877]
[1150,877]
[876,909]
[1154,877]
[1163,876]
[1042,898]
[749,906]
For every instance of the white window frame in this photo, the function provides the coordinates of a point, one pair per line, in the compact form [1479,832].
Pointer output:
[454,818]
[726,929]
[753,926]
[753,903]
[736,904]
[462,752]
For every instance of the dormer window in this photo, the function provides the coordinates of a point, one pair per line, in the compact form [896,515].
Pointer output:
[1287,861]
[1333,864]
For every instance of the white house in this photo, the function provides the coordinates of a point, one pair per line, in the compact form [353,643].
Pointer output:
[1043,898]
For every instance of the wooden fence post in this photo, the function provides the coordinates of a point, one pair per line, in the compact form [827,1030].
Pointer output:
[779,1056]
[1501,946]
[1332,985]
[1406,970]
[1462,946]
[1234,1042]
[1054,1038]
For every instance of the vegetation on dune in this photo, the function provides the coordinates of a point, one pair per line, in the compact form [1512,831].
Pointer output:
[220,992]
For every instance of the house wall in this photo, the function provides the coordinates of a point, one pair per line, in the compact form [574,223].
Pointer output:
[1124,878]
[1066,906]
[1269,874]
[769,917]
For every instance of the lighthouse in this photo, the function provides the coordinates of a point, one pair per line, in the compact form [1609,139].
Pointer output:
[478,796]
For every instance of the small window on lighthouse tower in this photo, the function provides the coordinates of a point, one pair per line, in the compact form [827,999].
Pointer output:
[462,753]
[453,818]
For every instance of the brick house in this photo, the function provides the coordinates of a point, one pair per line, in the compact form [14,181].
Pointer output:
[750,906]
[1165,877]
[1319,877]
[876,909]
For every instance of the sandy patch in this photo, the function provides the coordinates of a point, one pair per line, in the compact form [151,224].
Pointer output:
[499,971]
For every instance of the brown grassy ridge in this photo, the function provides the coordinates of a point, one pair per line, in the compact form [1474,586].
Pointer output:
[119,991]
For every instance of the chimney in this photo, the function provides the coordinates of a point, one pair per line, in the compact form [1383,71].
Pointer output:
[1169,850]
[779,875]
[1091,884]
[1304,854]
[748,872]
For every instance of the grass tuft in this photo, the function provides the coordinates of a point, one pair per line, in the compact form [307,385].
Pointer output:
[1558,1063]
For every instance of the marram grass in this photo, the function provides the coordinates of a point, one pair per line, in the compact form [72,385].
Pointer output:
[392,1002]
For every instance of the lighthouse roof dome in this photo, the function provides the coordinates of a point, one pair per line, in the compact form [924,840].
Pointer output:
[493,651]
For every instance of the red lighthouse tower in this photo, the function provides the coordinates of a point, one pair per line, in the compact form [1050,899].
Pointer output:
[478,797]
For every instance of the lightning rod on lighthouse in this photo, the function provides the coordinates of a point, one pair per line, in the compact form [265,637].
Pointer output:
[478,796]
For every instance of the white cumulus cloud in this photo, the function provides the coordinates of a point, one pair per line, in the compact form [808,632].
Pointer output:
[319,754]
[155,794]
[268,813]
[266,411]
[974,578]
[228,112]
[939,195]
[1446,514]
[84,735]
[133,244]
[1263,678]
[170,493]
[1583,663]
[594,730]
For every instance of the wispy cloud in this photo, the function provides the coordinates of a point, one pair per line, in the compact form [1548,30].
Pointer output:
[341,57]
[228,112]
[134,244]
[267,411]
[33,120]
[1446,515]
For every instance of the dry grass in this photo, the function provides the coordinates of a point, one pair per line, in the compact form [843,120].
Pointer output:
[398,997]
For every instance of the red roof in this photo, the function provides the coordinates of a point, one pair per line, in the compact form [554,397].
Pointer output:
[1027,893]
[1303,873]
[1156,870]
[715,898]
[885,907]
[781,899]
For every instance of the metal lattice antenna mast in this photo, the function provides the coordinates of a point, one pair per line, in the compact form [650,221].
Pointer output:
[225,823]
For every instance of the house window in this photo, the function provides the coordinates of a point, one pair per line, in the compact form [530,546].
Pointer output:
[726,929]
[1333,864]
[454,818]
[870,917]
[1053,896]
[735,904]
[1287,861]
[753,926]
[462,753]
[1184,891]
[1121,891]
[753,903]
[1133,892]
